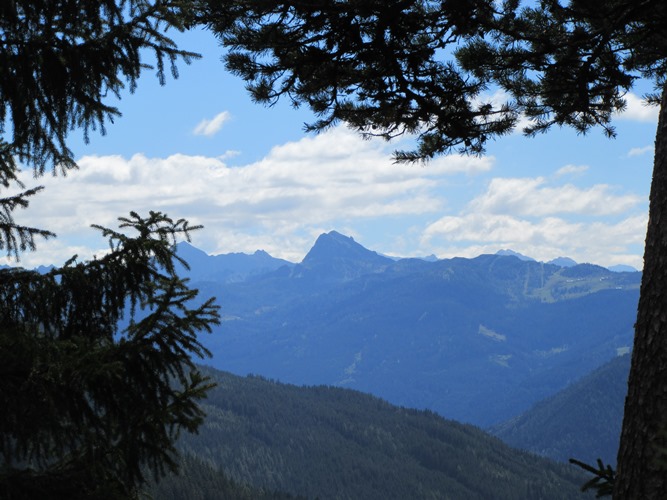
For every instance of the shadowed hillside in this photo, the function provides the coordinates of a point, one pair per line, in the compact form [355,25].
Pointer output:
[582,421]
[328,442]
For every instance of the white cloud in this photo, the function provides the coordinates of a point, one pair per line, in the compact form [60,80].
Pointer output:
[531,197]
[640,151]
[500,229]
[571,170]
[320,181]
[544,222]
[637,110]
[599,242]
[336,180]
[212,126]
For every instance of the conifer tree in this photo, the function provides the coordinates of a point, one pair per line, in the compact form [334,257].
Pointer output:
[96,370]
[421,67]
[61,61]
[89,406]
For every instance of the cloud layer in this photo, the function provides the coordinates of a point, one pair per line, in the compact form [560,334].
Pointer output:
[278,204]
[451,206]
[546,221]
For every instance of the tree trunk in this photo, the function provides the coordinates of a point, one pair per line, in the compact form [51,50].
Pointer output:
[640,475]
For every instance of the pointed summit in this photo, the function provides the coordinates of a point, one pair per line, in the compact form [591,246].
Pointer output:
[192,255]
[335,245]
[336,257]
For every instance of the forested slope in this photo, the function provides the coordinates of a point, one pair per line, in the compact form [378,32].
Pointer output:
[202,480]
[582,421]
[328,442]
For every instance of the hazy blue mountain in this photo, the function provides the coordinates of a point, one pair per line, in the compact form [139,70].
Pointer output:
[427,258]
[567,262]
[563,262]
[229,267]
[620,268]
[512,253]
[582,421]
[331,443]
[336,257]
[39,269]
[477,340]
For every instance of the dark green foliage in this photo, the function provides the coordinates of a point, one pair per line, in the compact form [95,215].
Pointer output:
[87,406]
[61,62]
[334,443]
[200,480]
[603,478]
[15,238]
[389,68]
[374,64]
[572,63]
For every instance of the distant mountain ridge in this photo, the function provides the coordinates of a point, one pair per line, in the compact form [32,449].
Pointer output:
[340,253]
[478,340]
[563,262]
[512,253]
[226,267]
[621,268]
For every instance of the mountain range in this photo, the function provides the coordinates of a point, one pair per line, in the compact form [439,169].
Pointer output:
[226,268]
[477,340]
[238,266]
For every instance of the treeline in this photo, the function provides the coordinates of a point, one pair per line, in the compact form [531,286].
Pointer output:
[326,442]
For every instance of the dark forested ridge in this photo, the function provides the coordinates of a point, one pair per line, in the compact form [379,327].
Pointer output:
[582,421]
[200,479]
[328,442]
[477,340]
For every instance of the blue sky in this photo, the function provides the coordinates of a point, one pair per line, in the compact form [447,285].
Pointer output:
[199,148]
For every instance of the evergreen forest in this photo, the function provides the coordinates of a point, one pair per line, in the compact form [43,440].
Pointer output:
[264,439]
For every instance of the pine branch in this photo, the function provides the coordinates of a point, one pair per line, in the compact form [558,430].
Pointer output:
[603,480]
